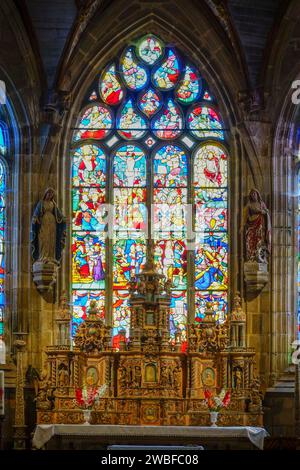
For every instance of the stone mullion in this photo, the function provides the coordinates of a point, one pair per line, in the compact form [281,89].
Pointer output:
[191,242]
[109,242]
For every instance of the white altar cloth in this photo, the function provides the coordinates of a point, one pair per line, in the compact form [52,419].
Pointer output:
[44,432]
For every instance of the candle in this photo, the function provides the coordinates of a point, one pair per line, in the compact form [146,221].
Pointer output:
[2,352]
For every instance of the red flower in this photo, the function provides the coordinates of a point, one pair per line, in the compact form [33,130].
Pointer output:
[226,399]
[79,398]
[207,394]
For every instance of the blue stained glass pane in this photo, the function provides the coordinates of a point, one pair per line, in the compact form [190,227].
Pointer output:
[2,140]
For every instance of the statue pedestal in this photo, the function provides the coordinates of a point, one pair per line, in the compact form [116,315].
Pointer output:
[44,275]
[256,275]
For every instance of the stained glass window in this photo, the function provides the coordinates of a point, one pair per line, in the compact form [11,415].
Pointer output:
[211,251]
[299,254]
[3,149]
[149,141]
[2,140]
[129,224]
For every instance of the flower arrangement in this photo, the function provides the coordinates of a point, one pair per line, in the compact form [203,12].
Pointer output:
[215,403]
[87,396]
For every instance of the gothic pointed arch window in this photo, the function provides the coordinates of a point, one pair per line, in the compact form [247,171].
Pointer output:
[150,144]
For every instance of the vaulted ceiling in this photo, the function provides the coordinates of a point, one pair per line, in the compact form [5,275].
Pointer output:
[50,23]
[254,21]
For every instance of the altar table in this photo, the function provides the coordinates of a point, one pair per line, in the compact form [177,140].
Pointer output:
[98,437]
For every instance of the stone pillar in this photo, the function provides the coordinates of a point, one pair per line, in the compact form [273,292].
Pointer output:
[297,401]
[19,436]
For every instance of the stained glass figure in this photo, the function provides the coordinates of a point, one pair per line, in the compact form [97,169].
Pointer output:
[88,252]
[211,262]
[89,166]
[129,216]
[178,314]
[170,123]
[129,167]
[170,167]
[150,102]
[211,210]
[166,75]
[110,87]
[81,304]
[210,167]
[121,315]
[135,76]
[129,258]
[204,122]
[218,301]
[128,196]
[95,123]
[89,210]
[130,123]
[169,212]
[170,257]
[189,87]
[150,49]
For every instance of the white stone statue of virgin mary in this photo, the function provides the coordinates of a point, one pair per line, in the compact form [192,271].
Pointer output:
[48,230]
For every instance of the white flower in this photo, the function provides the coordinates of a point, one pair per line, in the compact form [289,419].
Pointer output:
[102,390]
[218,401]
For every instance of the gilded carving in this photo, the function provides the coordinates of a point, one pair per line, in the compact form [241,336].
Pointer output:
[150,381]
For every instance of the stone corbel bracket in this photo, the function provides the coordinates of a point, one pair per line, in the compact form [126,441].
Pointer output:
[256,275]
